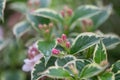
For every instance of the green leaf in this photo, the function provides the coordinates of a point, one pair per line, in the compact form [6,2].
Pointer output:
[90,70]
[97,15]
[116,67]
[40,67]
[64,60]
[22,8]
[50,14]
[100,53]
[106,76]
[21,28]
[111,40]
[12,75]
[84,41]
[101,16]
[45,47]
[81,63]
[117,75]
[2,7]
[57,72]
[36,20]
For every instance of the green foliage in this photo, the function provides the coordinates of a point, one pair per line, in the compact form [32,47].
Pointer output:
[84,41]
[97,15]
[100,53]
[40,67]
[116,67]
[45,48]
[90,71]
[47,13]
[82,55]
[63,61]
[107,76]
[57,72]
[12,75]
[2,7]
[21,28]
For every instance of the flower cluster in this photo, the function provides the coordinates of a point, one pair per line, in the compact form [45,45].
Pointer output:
[66,11]
[33,57]
[46,30]
[62,42]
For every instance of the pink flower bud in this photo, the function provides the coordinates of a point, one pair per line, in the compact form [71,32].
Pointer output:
[51,25]
[40,26]
[68,44]
[62,13]
[64,37]
[87,22]
[69,11]
[59,40]
[55,51]
[47,31]
[45,26]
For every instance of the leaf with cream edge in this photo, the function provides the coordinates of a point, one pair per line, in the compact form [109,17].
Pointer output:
[45,47]
[106,76]
[57,72]
[2,7]
[23,9]
[40,67]
[116,66]
[111,40]
[75,66]
[84,41]
[50,14]
[90,70]
[81,63]
[64,60]
[117,75]
[97,15]
[21,28]
[100,53]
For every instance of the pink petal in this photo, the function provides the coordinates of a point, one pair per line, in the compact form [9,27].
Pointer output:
[27,67]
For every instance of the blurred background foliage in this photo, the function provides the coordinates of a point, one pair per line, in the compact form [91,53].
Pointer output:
[13,54]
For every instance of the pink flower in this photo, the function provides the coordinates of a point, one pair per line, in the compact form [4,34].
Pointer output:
[55,51]
[32,51]
[29,63]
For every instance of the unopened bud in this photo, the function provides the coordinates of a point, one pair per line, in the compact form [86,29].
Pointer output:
[64,37]
[40,26]
[68,44]
[47,31]
[59,40]
[51,25]
[55,51]
[45,26]
[62,13]
[104,63]
[69,12]
[87,22]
